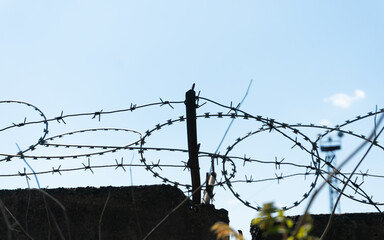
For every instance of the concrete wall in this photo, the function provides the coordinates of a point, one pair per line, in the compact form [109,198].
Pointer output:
[354,226]
[130,213]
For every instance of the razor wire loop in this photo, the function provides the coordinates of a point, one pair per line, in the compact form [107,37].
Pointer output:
[323,174]
[24,123]
[158,127]
[268,124]
[272,125]
[106,149]
[337,128]
[358,189]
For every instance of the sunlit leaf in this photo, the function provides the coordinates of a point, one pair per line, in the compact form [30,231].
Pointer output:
[289,223]
[224,231]
[256,221]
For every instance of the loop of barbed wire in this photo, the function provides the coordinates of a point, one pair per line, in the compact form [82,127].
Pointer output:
[272,124]
[230,163]
[24,123]
[313,152]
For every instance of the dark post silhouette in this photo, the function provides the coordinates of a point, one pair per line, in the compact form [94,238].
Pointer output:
[193,149]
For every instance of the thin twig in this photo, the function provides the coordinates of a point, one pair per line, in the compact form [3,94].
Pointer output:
[16,221]
[55,222]
[62,207]
[102,212]
[172,211]
[28,204]
[133,198]
[9,227]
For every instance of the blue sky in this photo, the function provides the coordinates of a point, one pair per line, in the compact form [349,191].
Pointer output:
[310,61]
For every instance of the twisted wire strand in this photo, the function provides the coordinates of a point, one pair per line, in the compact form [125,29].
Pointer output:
[231,163]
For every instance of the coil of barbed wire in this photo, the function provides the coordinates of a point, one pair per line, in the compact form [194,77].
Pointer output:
[151,166]
[8,157]
[275,126]
[341,176]
[232,162]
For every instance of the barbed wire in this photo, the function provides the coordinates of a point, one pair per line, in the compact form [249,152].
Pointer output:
[231,163]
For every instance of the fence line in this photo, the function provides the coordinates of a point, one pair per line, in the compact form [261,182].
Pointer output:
[231,163]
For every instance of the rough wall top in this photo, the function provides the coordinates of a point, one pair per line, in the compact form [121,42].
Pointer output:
[129,213]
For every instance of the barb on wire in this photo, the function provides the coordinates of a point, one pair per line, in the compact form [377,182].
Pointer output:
[86,167]
[121,164]
[166,103]
[57,170]
[60,118]
[98,114]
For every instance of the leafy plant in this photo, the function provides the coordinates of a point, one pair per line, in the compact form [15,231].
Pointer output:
[270,221]
[273,221]
[224,231]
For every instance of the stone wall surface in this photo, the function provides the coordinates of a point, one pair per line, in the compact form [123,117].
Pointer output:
[352,226]
[130,213]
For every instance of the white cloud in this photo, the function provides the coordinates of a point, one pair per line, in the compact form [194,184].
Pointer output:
[343,100]
[324,122]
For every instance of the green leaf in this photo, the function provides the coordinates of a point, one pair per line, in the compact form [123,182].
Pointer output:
[256,221]
[289,223]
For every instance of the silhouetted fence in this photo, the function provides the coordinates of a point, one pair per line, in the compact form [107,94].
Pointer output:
[227,165]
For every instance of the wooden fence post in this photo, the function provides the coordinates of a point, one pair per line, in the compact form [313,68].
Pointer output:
[193,148]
